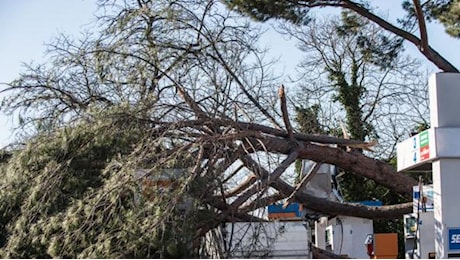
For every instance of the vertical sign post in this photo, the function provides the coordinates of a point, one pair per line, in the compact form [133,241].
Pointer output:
[444,91]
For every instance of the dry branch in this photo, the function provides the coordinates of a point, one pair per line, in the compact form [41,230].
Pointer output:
[244,185]
[190,101]
[330,207]
[381,172]
[240,84]
[231,175]
[285,113]
[261,202]
[422,26]
[305,180]
[265,180]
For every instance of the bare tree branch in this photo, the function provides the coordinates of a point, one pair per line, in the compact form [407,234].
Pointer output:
[243,88]
[428,52]
[285,113]
[261,202]
[244,185]
[305,180]
[380,172]
[329,207]
[266,180]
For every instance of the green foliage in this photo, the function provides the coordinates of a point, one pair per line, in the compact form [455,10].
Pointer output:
[264,10]
[445,11]
[449,15]
[75,194]
[308,119]
[112,103]
[420,127]
[358,51]
[379,49]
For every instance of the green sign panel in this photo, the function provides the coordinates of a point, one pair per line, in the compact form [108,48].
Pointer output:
[424,146]
[424,141]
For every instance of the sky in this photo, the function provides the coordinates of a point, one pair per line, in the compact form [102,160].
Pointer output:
[26,25]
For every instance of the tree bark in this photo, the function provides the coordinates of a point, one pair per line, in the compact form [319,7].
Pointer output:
[382,173]
[431,54]
[329,207]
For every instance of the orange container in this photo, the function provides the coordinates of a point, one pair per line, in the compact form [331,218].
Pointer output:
[385,245]
[282,215]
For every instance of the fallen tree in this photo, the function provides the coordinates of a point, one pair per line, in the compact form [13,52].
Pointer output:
[164,87]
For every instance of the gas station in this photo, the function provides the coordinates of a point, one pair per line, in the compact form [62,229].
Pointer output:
[432,230]
[437,149]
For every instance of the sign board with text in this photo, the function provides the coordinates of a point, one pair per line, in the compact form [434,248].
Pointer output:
[417,152]
[454,238]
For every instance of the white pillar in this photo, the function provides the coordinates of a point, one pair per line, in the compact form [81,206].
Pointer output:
[446,181]
[444,90]
[320,235]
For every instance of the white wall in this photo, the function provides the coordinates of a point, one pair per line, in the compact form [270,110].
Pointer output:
[349,234]
[269,239]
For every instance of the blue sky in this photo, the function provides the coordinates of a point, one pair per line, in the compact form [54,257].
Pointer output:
[26,25]
[437,38]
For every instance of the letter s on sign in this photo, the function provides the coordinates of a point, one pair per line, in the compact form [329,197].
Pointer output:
[455,239]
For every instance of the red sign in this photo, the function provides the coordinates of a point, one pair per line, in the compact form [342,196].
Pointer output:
[424,152]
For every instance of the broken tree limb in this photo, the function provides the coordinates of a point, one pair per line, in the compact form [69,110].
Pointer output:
[265,180]
[242,126]
[329,207]
[244,185]
[285,114]
[325,139]
[381,172]
[261,202]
